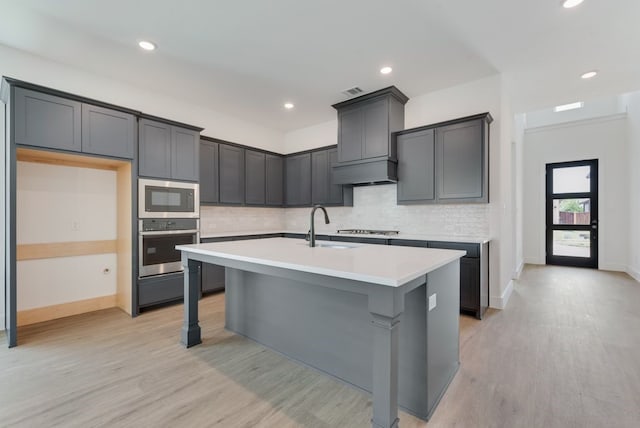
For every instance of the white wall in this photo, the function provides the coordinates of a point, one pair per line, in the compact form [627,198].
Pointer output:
[2,222]
[632,102]
[518,138]
[480,96]
[61,204]
[604,139]
[592,109]
[34,69]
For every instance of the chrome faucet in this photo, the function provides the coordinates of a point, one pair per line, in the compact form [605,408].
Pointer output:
[312,229]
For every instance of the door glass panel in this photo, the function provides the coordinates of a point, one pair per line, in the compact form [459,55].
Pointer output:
[572,243]
[572,211]
[575,179]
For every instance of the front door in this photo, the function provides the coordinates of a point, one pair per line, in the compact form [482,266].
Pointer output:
[572,213]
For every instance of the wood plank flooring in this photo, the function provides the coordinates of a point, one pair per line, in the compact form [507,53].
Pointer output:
[565,353]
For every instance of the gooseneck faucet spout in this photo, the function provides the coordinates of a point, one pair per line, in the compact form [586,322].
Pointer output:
[312,229]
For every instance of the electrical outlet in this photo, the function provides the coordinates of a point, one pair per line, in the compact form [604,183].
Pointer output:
[432,302]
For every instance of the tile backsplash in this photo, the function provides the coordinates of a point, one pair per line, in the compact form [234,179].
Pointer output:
[374,207]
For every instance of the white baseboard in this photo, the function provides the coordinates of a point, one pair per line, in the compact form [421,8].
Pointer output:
[534,261]
[518,271]
[615,267]
[500,302]
[2,325]
[633,273]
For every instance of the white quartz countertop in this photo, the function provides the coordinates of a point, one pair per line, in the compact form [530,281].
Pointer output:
[401,235]
[378,264]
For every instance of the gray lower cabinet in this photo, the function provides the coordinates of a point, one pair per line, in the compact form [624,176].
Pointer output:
[274,177]
[298,180]
[445,163]
[209,186]
[160,289]
[167,151]
[255,185]
[108,132]
[45,120]
[416,167]
[232,175]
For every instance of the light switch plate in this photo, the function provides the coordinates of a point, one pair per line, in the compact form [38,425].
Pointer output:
[432,302]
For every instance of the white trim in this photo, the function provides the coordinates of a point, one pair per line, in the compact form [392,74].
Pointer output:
[501,302]
[633,273]
[518,271]
[534,261]
[2,320]
[612,267]
[607,118]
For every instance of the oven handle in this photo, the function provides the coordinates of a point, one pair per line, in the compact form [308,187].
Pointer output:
[168,232]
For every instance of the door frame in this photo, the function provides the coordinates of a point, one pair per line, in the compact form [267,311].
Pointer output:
[592,227]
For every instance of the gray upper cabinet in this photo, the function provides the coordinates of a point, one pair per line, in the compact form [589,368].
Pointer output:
[461,162]
[445,163]
[232,175]
[338,194]
[416,167]
[376,140]
[47,121]
[298,180]
[350,134]
[184,154]
[255,185]
[209,185]
[167,151]
[274,170]
[108,132]
[154,148]
[320,177]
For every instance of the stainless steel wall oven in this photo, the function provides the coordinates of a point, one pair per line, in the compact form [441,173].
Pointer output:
[158,239]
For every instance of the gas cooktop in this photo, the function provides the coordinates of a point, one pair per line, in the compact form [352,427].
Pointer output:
[368,232]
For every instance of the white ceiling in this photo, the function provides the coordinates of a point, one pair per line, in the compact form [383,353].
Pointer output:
[246,57]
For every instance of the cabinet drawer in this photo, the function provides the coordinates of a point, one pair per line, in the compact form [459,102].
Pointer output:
[408,243]
[152,291]
[380,241]
[221,239]
[473,250]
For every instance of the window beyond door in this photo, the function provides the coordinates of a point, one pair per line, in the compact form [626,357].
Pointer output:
[572,213]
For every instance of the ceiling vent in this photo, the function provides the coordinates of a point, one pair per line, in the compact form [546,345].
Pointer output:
[351,92]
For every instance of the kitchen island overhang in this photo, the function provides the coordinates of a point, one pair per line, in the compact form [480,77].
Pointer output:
[384,319]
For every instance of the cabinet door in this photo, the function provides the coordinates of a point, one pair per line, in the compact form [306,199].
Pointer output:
[212,278]
[209,172]
[376,129]
[231,174]
[107,132]
[47,121]
[184,154]
[254,177]
[319,177]
[336,191]
[416,167]
[154,149]
[298,180]
[470,284]
[350,134]
[460,161]
[274,179]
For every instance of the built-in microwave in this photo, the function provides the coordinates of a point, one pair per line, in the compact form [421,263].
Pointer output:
[168,199]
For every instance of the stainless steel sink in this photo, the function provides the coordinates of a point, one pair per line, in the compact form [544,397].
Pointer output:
[334,245]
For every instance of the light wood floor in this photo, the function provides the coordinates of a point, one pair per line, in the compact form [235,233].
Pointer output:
[565,353]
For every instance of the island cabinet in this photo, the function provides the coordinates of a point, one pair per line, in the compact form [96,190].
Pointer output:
[53,122]
[255,178]
[209,184]
[168,151]
[298,180]
[232,174]
[274,172]
[445,163]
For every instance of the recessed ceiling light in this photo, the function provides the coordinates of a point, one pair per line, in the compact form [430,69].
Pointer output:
[288,106]
[386,70]
[566,107]
[589,74]
[146,45]
[568,4]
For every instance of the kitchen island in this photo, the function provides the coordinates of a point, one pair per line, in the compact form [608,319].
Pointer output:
[384,319]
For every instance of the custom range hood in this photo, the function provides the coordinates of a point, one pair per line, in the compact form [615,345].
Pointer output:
[366,149]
